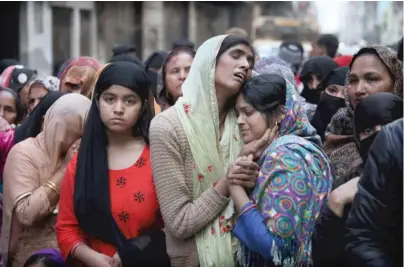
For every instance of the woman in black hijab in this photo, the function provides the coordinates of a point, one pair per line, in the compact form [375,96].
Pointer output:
[331,100]
[370,115]
[153,66]
[313,71]
[108,193]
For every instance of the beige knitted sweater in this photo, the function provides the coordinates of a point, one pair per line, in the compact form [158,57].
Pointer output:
[183,216]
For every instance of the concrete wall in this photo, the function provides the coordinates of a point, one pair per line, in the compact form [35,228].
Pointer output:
[36,35]
[37,41]
[116,25]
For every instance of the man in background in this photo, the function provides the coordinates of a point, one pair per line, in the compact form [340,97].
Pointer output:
[292,52]
[325,45]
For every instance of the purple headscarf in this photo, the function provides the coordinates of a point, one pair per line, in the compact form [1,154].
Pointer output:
[52,254]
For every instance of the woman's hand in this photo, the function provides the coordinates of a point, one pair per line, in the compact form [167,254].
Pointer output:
[70,152]
[342,195]
[100,260]
[256,148]
[116,260]
[243,172]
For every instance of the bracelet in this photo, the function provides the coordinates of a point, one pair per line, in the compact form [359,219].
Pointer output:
[247,209]
[52,186]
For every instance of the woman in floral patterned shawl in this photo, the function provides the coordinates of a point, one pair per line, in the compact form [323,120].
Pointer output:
[276,220]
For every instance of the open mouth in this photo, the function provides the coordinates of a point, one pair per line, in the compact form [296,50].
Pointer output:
[240,76]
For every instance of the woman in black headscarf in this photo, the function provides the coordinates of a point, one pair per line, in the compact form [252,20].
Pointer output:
[109,213]
[153,66]
[370,115]
[331,100]
[313,71]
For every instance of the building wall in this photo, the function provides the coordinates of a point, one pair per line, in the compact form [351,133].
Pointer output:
[46,38]
[116,25]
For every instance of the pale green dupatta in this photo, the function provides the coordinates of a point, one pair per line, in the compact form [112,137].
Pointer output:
[198,113]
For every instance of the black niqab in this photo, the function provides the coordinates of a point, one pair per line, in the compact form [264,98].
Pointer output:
[320,67]
[335,77]
[92,193]
[376,109]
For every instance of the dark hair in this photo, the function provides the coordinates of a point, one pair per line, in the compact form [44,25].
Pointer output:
[31,127]
[19,108]
[132,76]
[330,42]
[180,43]
[266,92]
[127,58]
[233,40]
[175,52]
[42,259]
[400,50]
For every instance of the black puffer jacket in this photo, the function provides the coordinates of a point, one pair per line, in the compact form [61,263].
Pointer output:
[374,229]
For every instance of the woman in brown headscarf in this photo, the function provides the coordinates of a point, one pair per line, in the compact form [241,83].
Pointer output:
[372,70]
[79,75]
[32,176]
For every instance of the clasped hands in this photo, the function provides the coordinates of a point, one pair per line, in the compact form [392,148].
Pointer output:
[244,171]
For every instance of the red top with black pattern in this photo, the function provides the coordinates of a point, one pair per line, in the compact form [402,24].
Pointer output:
[134,206]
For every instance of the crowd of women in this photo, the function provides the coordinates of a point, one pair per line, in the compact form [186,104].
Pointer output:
[213,158]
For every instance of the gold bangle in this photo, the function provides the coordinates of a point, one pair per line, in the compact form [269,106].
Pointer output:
[52,186]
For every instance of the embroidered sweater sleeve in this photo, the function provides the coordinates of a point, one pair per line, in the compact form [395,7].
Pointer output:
[183,216]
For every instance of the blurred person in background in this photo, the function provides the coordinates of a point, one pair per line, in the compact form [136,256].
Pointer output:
[7,62]
[127,58]
[275,65]
[11,108]
[18,78]
[313,72]
[373,69]
[343,61]
[325,45]
[79,75]
[38,88]
[124,49]
[175,70]
[332,98]
[237,31]
[153,65]
[292,52]
[183,43]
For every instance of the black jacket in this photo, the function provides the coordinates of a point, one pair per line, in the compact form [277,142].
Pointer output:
[374,228]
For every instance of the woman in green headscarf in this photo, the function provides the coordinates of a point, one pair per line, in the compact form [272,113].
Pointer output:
[192,146]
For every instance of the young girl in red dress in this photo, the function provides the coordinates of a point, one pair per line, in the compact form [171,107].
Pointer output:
[109,213]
